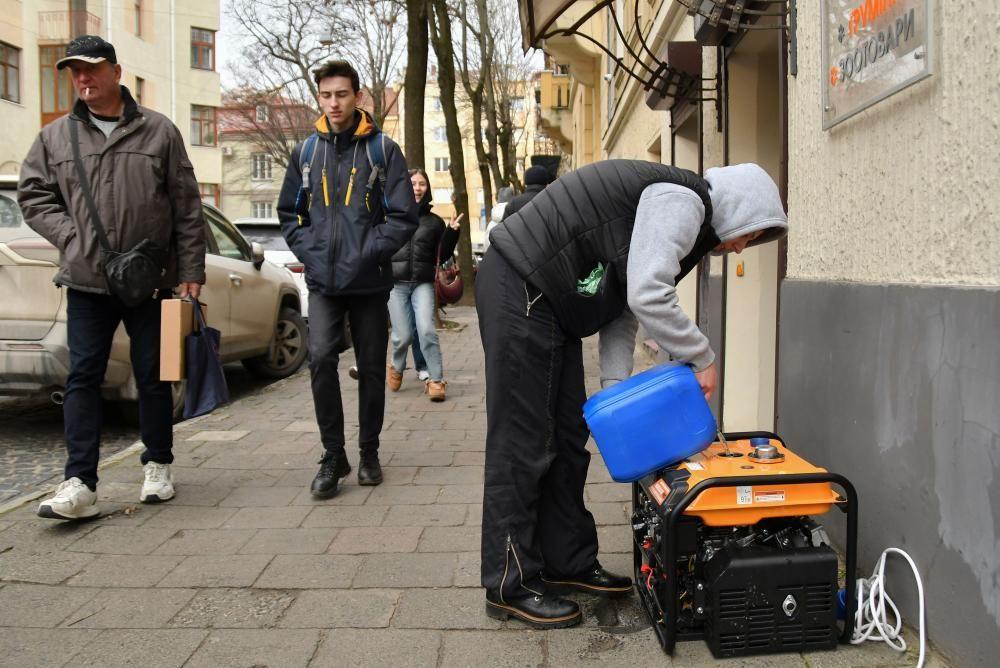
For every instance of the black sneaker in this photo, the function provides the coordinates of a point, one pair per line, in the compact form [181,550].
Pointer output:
[332,467]
[546,611]
[370,470]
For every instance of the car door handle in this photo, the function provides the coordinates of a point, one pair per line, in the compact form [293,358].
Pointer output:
[235,279]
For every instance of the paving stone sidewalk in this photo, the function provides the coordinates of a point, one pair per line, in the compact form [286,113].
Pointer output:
[244,568]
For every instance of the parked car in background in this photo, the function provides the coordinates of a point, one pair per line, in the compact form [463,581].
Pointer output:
[256,306]
[267,232]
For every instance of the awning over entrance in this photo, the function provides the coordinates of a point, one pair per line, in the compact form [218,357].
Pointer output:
[538,18]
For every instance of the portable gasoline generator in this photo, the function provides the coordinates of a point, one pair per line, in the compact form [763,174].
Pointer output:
[726,549]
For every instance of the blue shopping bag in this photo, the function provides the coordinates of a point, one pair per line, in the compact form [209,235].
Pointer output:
[206,383]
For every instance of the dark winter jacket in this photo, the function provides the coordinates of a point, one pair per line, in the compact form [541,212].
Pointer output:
[515,204]
[416,261]
[143,185]
[345,235]
[585,218]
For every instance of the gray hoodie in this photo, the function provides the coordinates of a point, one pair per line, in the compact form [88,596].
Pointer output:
[744,199]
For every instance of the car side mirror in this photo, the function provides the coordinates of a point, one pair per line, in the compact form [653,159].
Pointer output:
[257,253]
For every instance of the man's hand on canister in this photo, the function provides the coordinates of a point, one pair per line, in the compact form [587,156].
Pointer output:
[708,378]
[193,289]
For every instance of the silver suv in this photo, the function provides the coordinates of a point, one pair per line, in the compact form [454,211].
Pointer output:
[255,304]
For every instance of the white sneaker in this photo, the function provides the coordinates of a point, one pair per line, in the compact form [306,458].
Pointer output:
[422,375]
[73,500]
[158,485]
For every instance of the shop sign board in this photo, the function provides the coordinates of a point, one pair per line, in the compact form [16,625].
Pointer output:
[872,49]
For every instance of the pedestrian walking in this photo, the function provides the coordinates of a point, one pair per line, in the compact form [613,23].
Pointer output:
[411,303]
[536,178]
[345,207]
[504,196]
[618,223]
[115,174]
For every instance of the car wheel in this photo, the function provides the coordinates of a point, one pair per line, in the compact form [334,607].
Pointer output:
[287,351]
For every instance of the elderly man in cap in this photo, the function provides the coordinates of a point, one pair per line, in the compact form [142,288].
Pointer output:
[112,165]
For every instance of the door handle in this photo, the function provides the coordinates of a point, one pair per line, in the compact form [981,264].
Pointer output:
[235,279]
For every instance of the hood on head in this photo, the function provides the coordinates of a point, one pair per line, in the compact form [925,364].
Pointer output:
[745,199]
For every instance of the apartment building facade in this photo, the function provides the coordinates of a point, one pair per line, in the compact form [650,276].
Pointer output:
[167,50]
[438,158]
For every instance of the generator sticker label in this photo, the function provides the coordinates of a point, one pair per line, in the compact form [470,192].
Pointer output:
[660,491]
[769,496]
[695,466]
[744,495]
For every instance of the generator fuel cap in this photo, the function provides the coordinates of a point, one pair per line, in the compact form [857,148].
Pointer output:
[764,452]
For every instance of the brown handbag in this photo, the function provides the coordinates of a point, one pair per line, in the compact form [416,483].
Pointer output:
[448,284]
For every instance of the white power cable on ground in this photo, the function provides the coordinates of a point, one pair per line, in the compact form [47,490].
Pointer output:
[871,619]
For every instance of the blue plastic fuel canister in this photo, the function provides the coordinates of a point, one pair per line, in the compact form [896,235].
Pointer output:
[651,420]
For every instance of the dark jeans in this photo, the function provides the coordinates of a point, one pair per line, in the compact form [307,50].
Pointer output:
[370,335]
[534,517]
[91,321]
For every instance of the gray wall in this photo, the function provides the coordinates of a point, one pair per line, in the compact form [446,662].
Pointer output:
[898,388]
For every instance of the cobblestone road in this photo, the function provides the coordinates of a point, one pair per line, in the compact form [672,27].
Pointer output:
[32,451]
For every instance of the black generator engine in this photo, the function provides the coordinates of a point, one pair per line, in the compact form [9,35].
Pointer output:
[726,550]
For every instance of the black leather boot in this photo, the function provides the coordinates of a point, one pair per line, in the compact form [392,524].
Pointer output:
[547,611]
[332,467]
[369,471]
[595,581]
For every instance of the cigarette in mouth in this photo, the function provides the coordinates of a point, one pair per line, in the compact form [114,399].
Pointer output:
[86,91]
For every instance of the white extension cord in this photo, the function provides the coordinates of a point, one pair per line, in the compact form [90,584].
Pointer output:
[871,619]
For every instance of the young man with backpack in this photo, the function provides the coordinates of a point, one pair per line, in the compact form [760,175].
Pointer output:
[346,206]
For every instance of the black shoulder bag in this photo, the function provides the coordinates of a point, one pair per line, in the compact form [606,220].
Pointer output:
[134,275]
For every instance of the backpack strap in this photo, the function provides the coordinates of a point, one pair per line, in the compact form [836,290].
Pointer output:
[305,166]
[375,150]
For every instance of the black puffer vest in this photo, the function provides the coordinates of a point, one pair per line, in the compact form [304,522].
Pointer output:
[416,260]
[583,218]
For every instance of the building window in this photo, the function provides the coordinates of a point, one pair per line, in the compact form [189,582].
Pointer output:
[441,164]
[137,7]
[435,104]
[10,73]
[202,126]
[442,196]
[441,134]
[140,90]
[57,89]
[517,104]
[480,196]
[262,209]
[202,49]
[261,113]
[520,165]
[262,166]
[209,193]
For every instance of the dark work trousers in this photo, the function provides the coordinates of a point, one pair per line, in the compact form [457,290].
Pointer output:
[534,517]
[327,339]
[91,322]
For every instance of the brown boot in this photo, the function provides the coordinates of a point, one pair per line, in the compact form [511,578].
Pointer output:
[435,389]
[393,379]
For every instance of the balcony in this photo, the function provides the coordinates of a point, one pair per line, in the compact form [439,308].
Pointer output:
[554,106]
[61,27]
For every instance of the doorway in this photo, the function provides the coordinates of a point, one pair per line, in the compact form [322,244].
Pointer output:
[755,132]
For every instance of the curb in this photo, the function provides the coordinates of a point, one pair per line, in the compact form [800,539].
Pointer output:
[111,460]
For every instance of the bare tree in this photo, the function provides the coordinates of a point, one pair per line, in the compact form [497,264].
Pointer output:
[511,76]
[439,21]
[417,48]
[285,40]
[369,33]
[474,61]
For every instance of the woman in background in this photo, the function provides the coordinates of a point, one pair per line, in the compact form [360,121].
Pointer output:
[411,302]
